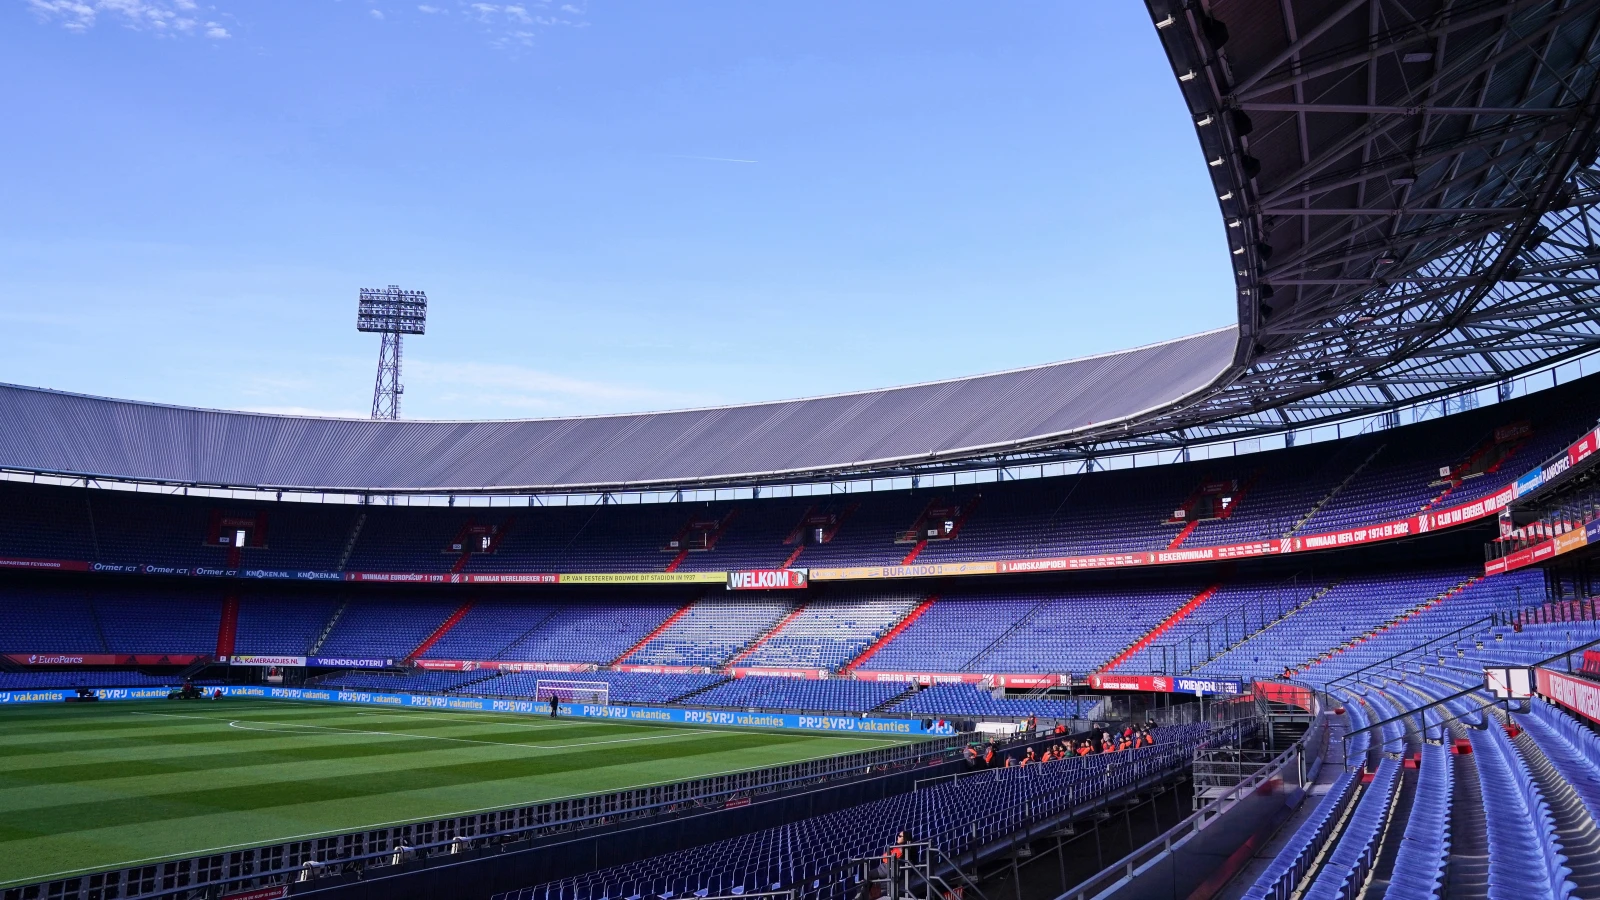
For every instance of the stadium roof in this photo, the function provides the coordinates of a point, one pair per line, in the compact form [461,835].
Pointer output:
[1410,198]
[49,431]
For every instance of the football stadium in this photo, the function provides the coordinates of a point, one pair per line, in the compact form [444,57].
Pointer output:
[1301,607]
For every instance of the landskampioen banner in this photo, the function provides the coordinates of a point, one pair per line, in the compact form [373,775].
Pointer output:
[103,659]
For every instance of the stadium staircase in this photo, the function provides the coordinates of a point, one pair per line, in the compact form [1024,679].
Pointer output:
[441,631]
[350,545]
[1183,534]
[1377,630]
[1015,627]
[887,704]
[333,622]
[1178,615]
[94,619]
[697,691]
[916,550]
[654,633]
[765,636]
[1310,599]
[1328,497]
[793,556]
[677,561]
[516,641]
[228,626]
[893,632]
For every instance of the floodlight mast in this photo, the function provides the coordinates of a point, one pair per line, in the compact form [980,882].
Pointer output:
[392,313]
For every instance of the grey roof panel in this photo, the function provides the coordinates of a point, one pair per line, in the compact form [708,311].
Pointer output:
[52,431]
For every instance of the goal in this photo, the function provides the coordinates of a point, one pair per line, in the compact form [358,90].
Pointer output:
[595,692]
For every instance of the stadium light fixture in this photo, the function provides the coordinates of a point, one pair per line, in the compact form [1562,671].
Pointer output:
[1187,76]
[1166,22]
[1227,196]
[392,313]
[1215,162]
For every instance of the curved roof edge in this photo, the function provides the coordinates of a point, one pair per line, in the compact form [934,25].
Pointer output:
[74,434]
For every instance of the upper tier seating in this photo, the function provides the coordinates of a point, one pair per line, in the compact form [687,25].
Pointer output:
[1378,477]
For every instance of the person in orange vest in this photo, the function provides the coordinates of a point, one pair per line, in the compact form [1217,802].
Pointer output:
[1010,761]
[1085,748]
[1061,728]
[988,755]
[1127,731]
[1049,754]
[1030,757]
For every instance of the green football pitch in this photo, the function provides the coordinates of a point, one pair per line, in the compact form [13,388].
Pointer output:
[108,785]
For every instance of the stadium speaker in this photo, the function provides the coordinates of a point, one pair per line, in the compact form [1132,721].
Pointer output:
[1241,122]
[1267,291]
[1264,250]
[1214,30]
[1252,166]
[1265,310]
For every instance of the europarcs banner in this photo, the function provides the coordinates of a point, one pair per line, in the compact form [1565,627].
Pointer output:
[638,714]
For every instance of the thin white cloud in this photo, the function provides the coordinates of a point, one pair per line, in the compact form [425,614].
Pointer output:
[432,10]
[376,13]
[162,17]
[514,25]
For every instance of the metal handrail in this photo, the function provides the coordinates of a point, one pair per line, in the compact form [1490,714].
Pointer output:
[1391,657]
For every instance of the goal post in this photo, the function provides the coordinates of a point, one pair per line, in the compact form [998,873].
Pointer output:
[593,692]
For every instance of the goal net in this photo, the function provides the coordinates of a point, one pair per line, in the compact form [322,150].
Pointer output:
[595,692]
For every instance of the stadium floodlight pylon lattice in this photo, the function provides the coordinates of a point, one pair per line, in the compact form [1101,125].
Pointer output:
[392,313]
[597,693]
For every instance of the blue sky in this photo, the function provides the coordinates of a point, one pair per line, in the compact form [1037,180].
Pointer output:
[612,206]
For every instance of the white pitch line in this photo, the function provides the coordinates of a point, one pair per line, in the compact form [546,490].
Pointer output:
[333,729]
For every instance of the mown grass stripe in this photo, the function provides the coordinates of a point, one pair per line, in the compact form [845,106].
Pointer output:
[96,791]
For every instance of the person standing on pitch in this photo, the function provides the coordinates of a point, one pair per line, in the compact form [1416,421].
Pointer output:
[555,706]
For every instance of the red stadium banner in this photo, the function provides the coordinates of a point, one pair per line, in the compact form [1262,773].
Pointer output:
[103,659]
[923,678]
[54,565]
[771,672]
[768,580]
[1580,695]
[455,577]
[1584,447]
[1027,680]
[1156,683]
[508,578]
[664,670]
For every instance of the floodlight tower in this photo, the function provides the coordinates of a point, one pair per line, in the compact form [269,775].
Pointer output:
[390,312]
